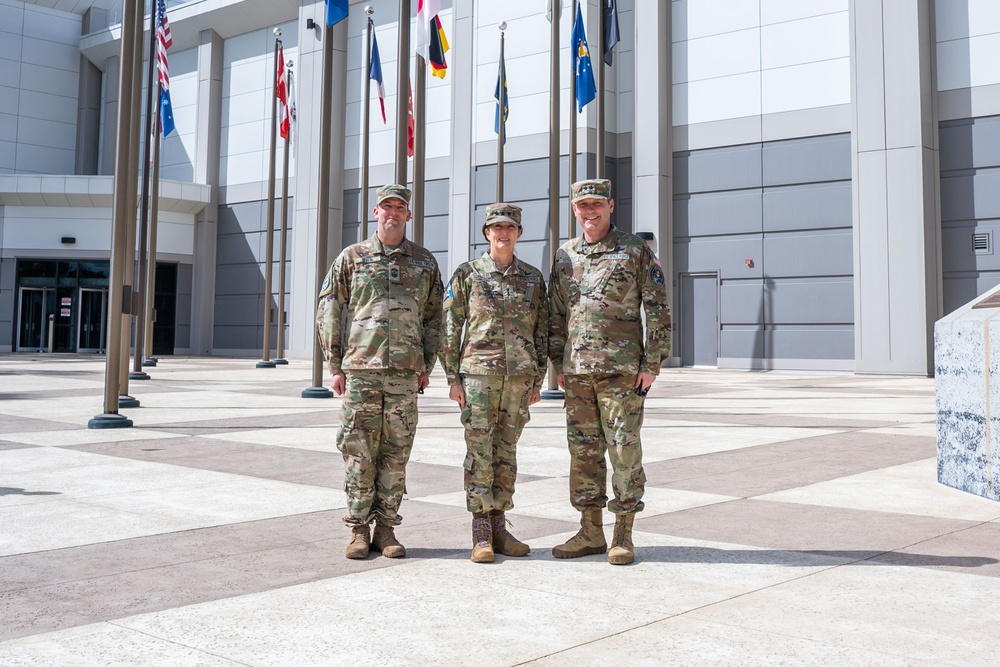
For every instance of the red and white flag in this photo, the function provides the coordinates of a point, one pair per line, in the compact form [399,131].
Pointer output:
[284,115]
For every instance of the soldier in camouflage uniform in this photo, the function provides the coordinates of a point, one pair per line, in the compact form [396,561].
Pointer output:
[601,284]
[495,372]
[391,289]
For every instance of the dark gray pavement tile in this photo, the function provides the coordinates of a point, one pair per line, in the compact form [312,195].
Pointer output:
[975,549]
[4,444]
[762,469]
[749,418]
[194,426]
[827,531]
[14,424]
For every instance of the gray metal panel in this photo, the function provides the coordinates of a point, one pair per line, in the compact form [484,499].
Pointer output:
[961,289]
[971,196]
[239,249]
[436,234]
[699,332]
[741,342]
[242,218]
[238,311]
[810,342]
[742,302]
[815,206]
[185,282]
[726,255]
[810,301]
[238,279]
[809,160]
[718,213]
[718,169]
[237,338]
[827,253]
[956,247]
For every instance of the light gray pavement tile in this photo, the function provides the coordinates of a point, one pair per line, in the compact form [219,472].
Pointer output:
[752,418]
[911,612]
[685,641]
[193,423]
[769,468]
[848,533]
[103,644]
[410,618]
[321,438]
[83,436]
[910,488]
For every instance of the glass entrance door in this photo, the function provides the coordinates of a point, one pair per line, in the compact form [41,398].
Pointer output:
[34,307]
[93,320]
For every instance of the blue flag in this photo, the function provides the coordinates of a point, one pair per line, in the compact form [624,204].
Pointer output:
[336,11]
[611,33]
[586,89]
[501,81]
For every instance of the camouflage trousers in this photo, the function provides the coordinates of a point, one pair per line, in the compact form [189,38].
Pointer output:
[603,414]
[495,412]
[378,419]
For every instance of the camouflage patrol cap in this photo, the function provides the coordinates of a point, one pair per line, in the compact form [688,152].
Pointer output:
[392,191]
[501,212]
[593,188]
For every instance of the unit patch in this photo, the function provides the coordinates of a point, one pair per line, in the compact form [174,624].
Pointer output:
[656,275]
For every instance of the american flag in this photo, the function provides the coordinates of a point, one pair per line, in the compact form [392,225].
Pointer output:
[164,41]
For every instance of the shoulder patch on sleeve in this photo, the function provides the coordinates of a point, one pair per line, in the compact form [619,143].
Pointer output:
[656,275]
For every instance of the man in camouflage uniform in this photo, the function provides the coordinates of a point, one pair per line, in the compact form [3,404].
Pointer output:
[495,372]
[392,290]
[601,284]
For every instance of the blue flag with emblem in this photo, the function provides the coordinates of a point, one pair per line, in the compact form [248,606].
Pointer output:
[336,11]
[586,89]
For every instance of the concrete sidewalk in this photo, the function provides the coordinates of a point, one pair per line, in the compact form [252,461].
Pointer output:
[790,519]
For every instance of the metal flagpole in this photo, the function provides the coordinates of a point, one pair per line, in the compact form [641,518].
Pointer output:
[124,399]
[110,418]
[573,112]
[555,13]
[403,91]
[154,212]
[502,123]
[140,320]
[283,238]
[265,361]
[419,148]
[317,390]
[600,95]
[366,123]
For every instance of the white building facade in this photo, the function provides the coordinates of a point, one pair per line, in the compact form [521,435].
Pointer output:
[817,175]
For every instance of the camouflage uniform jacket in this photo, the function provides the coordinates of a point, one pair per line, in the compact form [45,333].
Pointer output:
[393,301]
[596,292]
[505,317]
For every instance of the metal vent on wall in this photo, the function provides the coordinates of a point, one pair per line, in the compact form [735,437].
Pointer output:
[982,243]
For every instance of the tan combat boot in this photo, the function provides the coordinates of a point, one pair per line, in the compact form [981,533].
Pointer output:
[384,540]
[503,542]
[482,539]
[589,540]
[360,541]
[622,552]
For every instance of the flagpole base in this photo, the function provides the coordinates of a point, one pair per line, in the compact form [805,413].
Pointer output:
[127,401]
[265,364]
[281,362]
[553,395]
[317,392]
[110,420]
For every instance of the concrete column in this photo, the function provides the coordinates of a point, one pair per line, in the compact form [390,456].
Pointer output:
[308,72]
[896,173]
[206,170]
[461,206]
[652,149]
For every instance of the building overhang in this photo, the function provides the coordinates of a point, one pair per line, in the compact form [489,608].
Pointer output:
[94,192]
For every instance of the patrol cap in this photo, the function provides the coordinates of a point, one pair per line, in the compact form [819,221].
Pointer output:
[501,212]
[592,188]
[392,191]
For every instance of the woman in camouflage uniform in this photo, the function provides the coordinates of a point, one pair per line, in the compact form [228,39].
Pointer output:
[495,372]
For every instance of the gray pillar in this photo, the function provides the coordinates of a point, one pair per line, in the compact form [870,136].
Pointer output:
[461,205]
[88,119]
[652,152]
[896,174]
[112,72]
[309,71]
[206,170]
